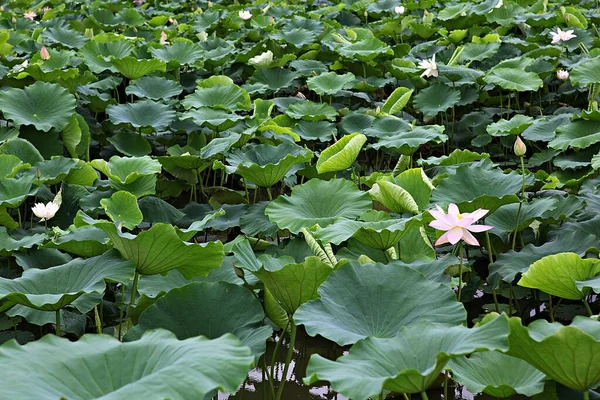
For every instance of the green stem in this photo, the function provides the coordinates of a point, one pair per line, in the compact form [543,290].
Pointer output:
[424,396]
[98,321]
[586,395]
[277,349]
[460,269]
[136,277]
[523,177]
[121,310]
[587,307]
[288,359]
[57,322]
[405,396]
[514,236]
[269,194]
[491,258]
[551,308]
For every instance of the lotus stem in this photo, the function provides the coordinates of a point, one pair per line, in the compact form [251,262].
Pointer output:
[276,350]
[551,309]
[136,277]
[586,395]
[121,310]
[460,270]
[97,319]
[288,359]
[587,307]
[269,194]
[405,396]
[57,331]
[424,396]
[514,239]
[491,258]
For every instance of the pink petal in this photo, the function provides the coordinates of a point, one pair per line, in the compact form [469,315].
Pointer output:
[470,239]
[453,209]
[437,214]
[455,234]
[476,214]
[443,239]
[441,225]
[479,228]
[465,222]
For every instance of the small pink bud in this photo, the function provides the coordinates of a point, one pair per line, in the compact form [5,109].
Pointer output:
[44,54]
[562,75]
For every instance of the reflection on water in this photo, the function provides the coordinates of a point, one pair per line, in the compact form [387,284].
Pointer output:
[256,386]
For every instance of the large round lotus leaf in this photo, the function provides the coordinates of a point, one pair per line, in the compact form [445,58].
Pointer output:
[134,68]
[265,165]
[497,374]
[214,118]
[99,366]
[154,88]
[322,131]
[579,134]
[330,83]
[254,222]
[294,284]
[65,36]
[363,47]
[9,244]
[275,78]
[341,154]
[43,105]
[10,165]
[183,52]
[318,202]
[54,171]
[160,249]
[22,149]
[473,187]
[397,100]
[345,315]
[405,140]
[299,37]
[122,208]
[14,191]
[514,79]
[514,126]
[95,54]
[557,275]
[87,241]
[209,309]
[142,114]
[436,98]
[568,354]
[586,72]
[53,288]
[219,94]
[127,169]
[311,111]
[377,234]
[408,362]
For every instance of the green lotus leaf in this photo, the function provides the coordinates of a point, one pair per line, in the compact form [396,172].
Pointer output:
[294,284]
[22,149]
[122,209]
[13,191]
[184,52]
[514,79]
[380,235]
[43,105]
[408,192]
[265,165]
[65,36]
[567,354]
[254,222]
[514,126]
[210,309]
[497,374]
[10,165]
[415,356]
[436,98]
[397,100]
[473,187]
[134,68]
[299,37]
[154,88]
[9,244]
[311,111]
[322,131]
[342,154]
[586,72]
[218,93]
[185,166]
[274,78]
[160,249]
[543,129]
[330,83]
[96,54]
[180,369]
[54,288]
[364,46]
[318,202]
[214,118]
[131,143]
[383,288]
[406,140]
[53,171]
[141,114]
[578,134]
[308,67]
[157,210]
[557,275]
[126,170]
[86,241]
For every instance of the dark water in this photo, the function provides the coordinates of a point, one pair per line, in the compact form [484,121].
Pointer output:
[256,387]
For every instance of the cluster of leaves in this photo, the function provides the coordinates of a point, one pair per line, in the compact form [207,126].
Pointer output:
[225,170]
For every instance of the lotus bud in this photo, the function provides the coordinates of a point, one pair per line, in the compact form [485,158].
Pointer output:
[202,36]
[89,33]
[378,110]
[366,14]
[562,75]
[272,20]
[520,148]
[44,54]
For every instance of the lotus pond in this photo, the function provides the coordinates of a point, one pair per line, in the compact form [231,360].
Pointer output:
[320,199]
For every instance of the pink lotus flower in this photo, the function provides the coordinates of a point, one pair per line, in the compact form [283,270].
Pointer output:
[457,226]
[30,15]
[562,75]
[44,54]
[562,36]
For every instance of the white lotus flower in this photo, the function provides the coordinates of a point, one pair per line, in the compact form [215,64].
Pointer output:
[399,10]
[562,36]
[245,15]
[429,66]
[45,211]
[202,36]
[562,75]
[262,59]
